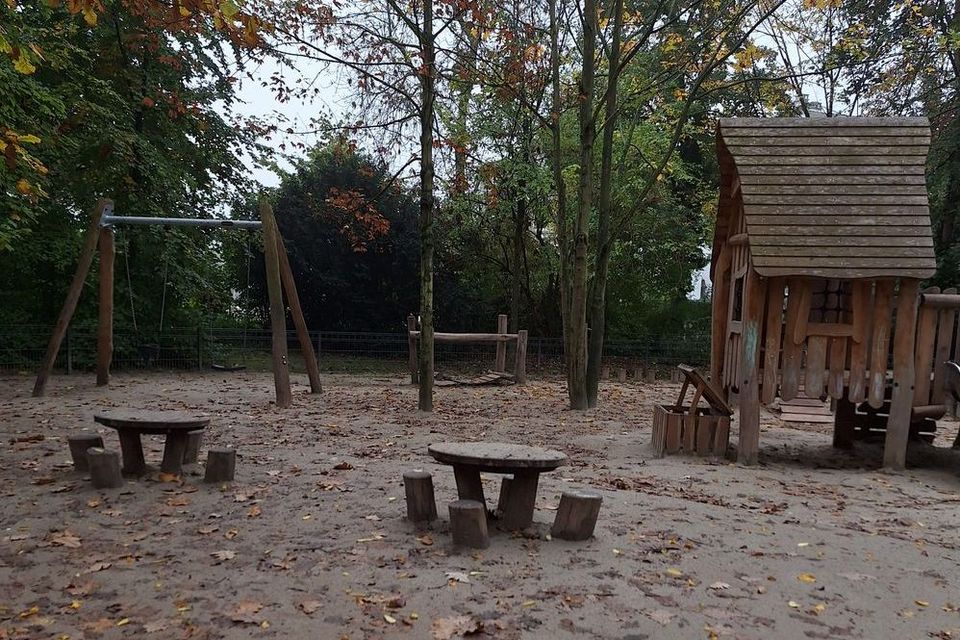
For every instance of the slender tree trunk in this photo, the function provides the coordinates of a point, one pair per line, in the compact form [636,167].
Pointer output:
[427,96]
[577,358]
[598,299]
[558,184]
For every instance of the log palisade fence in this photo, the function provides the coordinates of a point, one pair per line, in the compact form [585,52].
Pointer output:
[822,239]
[501,338]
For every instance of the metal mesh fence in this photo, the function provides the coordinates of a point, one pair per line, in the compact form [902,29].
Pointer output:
[22,349]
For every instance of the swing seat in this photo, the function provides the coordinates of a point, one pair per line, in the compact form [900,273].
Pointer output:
[228,368]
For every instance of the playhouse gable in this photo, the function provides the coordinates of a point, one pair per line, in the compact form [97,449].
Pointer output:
[827,197]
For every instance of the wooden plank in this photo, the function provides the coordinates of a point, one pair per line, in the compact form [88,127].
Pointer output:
[798,331]
[898,424]
[863,243]
[838,365]
[945,332]
[846,272]
[808,417]
[838,231]
[819,408]
[925,346]
[719,305]
[833,250]
[852,154]
[842,262]
[862,303]
[755,293]
[829,329]
[105,310]
[278,323]
[850,191]
[816,366]
[768,169]
[825,123]
[792,351]
[833,200]
[468,337]
[802,133]
[500,363]
[801,401]
[739,140]
[880,342]
[296,314]
[865,163]
[90,239]
[774,333]
[815,216]
[674,428]
[752,181]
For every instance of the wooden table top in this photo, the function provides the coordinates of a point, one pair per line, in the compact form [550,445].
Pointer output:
[151,422]
[497,456]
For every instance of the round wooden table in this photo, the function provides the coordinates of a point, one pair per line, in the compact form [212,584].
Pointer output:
[131,424]
[518,494]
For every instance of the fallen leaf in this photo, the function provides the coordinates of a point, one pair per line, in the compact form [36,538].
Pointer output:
[231,534]
[447,628]
[154,626]
[309,606]
[65,539]
[807,578]
[425,539]
[674,573]
[245,611]
[457,576]
[168,477]
[719,586]
[390,619]
[254,511]
[343,466]
[793,605]
[224,554]
[177,501]
[99,566]
[661,615]
[207,530]
[922,603]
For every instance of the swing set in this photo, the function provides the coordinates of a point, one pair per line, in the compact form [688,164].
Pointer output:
[100,236]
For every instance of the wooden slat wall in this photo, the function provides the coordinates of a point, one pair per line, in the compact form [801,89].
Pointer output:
[938,340]
[835,198]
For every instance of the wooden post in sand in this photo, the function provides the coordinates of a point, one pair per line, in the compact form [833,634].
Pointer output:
[501,362]
[296,312]
[278,324]
[90,240]
[105,311]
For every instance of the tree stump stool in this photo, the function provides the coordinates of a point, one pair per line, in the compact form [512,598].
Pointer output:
[79,443]
[650,374]
[577,515]
[104,468]
[192,452]
[221,465]
[468,524]
[622,374]
[421,503]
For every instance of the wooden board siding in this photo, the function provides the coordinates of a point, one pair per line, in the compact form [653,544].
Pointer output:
[828,197]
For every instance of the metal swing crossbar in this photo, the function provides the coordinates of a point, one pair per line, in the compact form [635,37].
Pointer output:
[99,237]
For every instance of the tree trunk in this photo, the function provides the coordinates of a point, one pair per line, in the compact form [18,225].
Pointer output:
[577,358]
[598,299]
[558,183]
[427,95]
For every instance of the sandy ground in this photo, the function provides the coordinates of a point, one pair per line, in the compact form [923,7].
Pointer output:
[311,542]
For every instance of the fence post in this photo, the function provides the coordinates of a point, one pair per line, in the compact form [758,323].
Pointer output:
[412,345]
[520,368]
[69,351]
[501,362]
[199,346]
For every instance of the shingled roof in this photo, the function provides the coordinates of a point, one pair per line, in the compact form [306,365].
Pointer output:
[828,197]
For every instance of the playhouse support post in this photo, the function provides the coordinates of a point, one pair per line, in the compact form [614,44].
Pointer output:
[105,311]
[501,362]
[296,312]
[278,324]
[721,301]
[755,294]
[904,376]
[73,295]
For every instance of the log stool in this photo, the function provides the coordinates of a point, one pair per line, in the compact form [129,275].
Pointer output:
[79,443]
[577,515]
[221,465]
[104,468]
[192,452]
[468,524]
[421,504]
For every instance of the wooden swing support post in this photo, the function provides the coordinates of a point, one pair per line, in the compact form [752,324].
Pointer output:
[100,234]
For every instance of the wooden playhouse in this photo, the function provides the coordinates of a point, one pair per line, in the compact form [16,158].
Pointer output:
[822,240]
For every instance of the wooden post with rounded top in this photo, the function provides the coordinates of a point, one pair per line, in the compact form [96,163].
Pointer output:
[296,312]
[278,324]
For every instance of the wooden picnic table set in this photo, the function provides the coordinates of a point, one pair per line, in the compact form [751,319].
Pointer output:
[184,434]
[521,466]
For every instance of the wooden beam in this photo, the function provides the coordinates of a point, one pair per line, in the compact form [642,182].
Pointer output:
[296,312]
[880,344]
[91,236]
[719,304]
[520,368]
[105,310]
[901,401]
[774,332]
[755,294]
[468,337]
[278,324]
[940,300]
